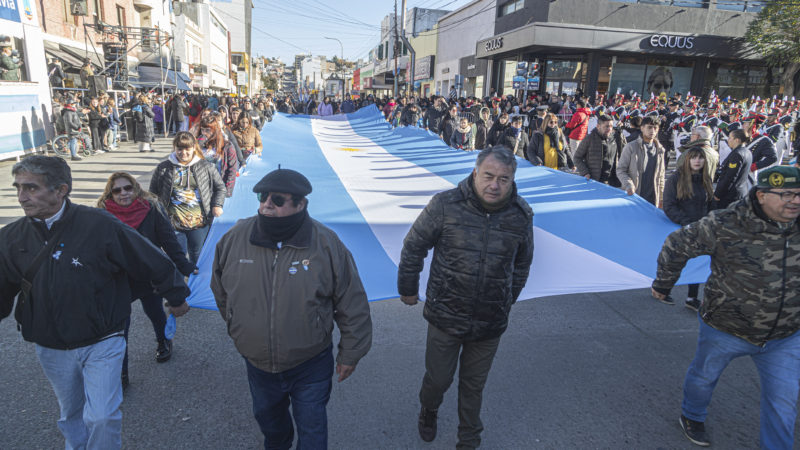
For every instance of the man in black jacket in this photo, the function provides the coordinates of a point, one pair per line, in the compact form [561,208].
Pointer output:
[69,266]
[482,238]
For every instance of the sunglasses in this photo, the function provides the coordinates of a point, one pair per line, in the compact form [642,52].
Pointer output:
[277,200]
[126,188]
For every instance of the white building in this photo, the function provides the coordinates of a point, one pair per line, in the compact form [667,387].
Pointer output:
[25,105]
[201,44]
[458,32]
[238,14]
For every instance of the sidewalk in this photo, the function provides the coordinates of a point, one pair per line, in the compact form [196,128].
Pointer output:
[89,176]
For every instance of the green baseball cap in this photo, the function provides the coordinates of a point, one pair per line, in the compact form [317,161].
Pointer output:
[779,177]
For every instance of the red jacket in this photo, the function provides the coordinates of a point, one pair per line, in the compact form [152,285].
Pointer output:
[579,123]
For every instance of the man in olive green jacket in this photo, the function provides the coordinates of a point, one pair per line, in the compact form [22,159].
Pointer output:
[280,279]
[752,301]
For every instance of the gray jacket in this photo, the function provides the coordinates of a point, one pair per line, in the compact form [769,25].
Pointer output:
[631,166]
[280,304]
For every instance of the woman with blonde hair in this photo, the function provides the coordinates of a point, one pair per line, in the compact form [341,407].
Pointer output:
[125,199]
[549,147]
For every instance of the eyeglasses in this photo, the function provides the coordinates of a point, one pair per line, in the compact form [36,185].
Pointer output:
[126,188]
[277,200]
[786,196]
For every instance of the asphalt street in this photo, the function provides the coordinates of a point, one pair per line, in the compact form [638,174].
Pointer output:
[577,371]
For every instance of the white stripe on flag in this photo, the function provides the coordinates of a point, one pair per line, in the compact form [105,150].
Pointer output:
[353,158]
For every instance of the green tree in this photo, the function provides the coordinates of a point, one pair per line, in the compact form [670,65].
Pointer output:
[775,33]
[270,83]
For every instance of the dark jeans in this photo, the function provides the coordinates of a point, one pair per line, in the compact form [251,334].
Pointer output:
[441,358]
[694,290]
[307,388]
[155,312]
[192,241]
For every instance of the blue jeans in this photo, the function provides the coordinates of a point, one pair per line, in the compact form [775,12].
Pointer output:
[778,368]
[73,146]
[86,381]
[192,241]
[307,388]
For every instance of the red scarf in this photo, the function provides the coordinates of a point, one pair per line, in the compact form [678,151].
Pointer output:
[132,215]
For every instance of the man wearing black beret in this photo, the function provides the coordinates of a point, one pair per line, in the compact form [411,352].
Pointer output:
[280,280]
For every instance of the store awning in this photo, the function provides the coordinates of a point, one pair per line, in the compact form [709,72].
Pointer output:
[82,54]
[52,50]
[156,76]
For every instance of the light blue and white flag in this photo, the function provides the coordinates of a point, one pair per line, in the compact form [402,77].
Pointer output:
[370,182]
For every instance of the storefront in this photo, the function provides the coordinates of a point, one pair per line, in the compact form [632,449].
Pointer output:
[473,72]
[611,60]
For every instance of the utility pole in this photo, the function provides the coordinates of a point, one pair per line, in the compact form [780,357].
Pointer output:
[396,45]
[410,71]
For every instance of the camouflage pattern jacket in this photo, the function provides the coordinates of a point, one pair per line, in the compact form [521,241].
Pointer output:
[480,262]
[754,288]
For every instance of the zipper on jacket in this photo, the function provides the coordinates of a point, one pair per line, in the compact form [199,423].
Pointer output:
[783,291]
[482,269]
[272,314]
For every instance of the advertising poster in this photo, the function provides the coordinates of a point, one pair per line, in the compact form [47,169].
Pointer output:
[644,79]
[667,79]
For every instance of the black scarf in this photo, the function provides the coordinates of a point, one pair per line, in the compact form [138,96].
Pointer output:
[552,133]
[269,231]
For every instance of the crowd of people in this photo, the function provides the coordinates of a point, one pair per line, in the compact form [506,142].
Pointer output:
[729,191]
[149,114]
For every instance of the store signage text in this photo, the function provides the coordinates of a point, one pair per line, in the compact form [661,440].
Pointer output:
[494,44]
[662,40]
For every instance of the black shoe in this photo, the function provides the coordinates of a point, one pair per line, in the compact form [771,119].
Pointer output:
[76,158]
[667,300]
[694,431]
[164,351]
[427,424]
[693,303]
[152,150]
[125,380]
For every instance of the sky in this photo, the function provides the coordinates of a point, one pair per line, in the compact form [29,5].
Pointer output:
[284,28]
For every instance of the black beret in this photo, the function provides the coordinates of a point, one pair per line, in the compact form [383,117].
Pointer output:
[284,180]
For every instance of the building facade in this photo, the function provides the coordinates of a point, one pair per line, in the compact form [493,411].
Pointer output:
[631,47]
[458,32]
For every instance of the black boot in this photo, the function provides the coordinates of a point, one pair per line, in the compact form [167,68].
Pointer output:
[427,424]
[164,351]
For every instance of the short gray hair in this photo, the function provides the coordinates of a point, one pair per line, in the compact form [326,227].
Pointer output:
[703,132]
[501,153]
[55,170]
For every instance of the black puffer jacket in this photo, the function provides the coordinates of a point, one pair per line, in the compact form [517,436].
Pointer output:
[480,263]
[496,133]
[211,189]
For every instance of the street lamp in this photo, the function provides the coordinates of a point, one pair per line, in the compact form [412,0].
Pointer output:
[344,78]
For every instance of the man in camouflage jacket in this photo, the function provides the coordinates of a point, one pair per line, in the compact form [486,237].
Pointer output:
[482,236]
[752,301]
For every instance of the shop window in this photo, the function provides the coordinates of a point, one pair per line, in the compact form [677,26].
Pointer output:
[740,81]
[509,70]
[657,77]
[510,7]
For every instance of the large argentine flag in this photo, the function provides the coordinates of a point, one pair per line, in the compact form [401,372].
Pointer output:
[370,183]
